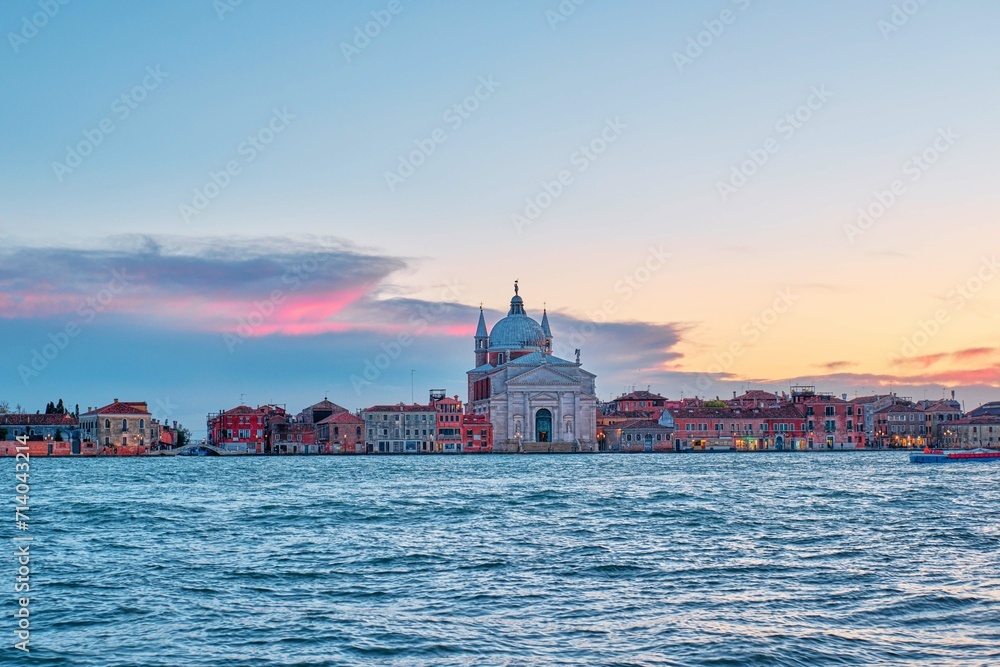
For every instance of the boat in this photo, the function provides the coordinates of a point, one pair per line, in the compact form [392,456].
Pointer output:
[940,456]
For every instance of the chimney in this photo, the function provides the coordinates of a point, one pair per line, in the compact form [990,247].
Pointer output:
[844,396]
[734,393]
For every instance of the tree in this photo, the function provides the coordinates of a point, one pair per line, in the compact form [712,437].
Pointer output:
[60,408]
[3,434]
[77,413]
[4,408]
[183,437]
[715,404]
[59,436]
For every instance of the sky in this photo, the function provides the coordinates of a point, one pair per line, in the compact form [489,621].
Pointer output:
[206,203]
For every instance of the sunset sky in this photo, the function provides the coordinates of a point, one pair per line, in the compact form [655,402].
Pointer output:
[206,200]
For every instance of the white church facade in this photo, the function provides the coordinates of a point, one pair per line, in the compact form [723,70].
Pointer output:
[536,402]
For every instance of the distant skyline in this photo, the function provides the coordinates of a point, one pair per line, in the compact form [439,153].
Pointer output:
[737,193]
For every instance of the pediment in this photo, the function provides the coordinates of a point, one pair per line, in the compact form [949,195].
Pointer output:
[542,375]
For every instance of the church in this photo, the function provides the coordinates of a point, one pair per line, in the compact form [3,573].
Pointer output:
[536,402]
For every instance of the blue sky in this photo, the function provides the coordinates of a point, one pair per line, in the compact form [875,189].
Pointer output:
[320,181]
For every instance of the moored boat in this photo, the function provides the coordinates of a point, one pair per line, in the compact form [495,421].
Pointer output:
[940,456]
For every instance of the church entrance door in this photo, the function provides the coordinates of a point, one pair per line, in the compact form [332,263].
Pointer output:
[543,426]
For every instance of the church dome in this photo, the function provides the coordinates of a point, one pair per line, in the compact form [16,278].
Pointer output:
[517,331]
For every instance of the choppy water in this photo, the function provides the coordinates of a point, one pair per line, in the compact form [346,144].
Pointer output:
[773,559]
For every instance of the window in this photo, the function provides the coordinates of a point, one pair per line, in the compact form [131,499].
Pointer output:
[124,424]
[107,423]
[829,411]
[142,424]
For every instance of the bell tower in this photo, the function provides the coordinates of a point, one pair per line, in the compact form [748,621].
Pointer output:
[482,340]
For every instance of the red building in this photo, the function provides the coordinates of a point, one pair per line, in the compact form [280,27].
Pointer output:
[643,401]
[831,422]
[457,431]
[341,433]
[241,429]
[779,428]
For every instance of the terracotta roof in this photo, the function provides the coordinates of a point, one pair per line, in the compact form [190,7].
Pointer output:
[641,396]
[758,394]
[866,399]
[342,418]
[776,412]
[993,420]
[898,408]
[241,410]
[23,419]
[119,408]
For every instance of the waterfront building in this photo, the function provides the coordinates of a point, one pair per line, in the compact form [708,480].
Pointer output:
[971,433]
[241,429]
[341,433]
[317,412]
[400,429]
[642,435]
[869,405]
[938,415]
[901,426]
[535,401]
[778,428]
[831,422]
[645,401]
[53,428]
[121,427]
[287,435]
[458,431]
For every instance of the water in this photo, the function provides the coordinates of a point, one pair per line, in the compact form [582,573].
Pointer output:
[772,559]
